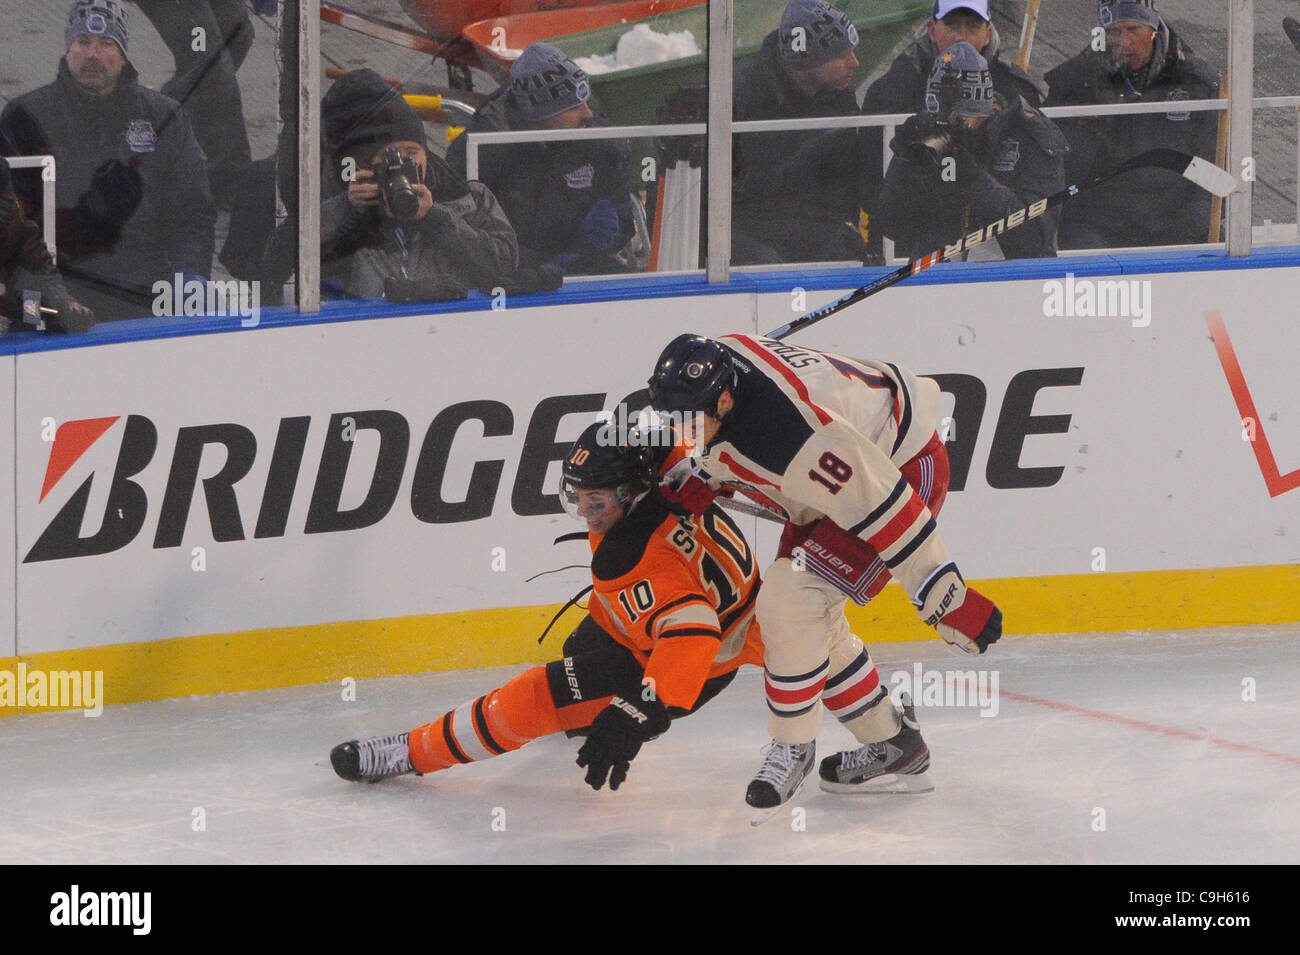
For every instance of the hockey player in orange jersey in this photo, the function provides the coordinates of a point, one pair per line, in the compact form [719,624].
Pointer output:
[845,451]
[671,619]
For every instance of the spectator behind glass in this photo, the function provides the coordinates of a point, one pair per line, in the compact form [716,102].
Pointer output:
[133,205]
[433,240]
[569,202]
[969,159]
[954,21]
[797,195]
[209,40]
[26,266]
[1144,62]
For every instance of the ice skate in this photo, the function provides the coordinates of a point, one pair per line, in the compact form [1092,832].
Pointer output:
[786,767]
[370,760]
[900,764]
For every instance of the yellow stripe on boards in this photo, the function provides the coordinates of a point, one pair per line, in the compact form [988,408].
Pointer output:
[324,653]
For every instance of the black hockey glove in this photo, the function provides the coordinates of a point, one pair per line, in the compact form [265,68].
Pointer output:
[616,736]
[114,194]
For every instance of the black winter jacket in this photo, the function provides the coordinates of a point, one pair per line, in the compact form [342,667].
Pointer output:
[547,189]
[796,192]
[1146,206]
[169,231]
[1015,158]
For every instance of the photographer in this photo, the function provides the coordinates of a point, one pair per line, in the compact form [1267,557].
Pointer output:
[408,226]
[969,159]
[26,266]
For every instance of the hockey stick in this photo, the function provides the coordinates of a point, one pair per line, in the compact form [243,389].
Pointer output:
[1205,174]
[753,510]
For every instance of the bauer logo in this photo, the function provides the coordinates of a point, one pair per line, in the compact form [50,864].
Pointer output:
[76,907]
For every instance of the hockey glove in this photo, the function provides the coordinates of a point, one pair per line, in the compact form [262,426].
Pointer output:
[963,616]
[616,736]
[114,194]
[686,487]
[599,230]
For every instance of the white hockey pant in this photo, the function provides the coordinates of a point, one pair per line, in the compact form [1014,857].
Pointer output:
[812,657]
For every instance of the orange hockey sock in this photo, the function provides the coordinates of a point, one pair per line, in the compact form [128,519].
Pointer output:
[496,723]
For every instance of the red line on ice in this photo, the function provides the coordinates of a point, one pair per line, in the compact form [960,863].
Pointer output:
[1151,727]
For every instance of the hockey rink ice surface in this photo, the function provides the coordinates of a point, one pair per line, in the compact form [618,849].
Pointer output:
[1108,748]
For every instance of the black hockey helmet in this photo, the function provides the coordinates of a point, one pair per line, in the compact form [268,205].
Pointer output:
[691,374]
[604,458]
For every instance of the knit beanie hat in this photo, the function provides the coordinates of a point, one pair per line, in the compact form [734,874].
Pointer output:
[97,18]
[544,82]
[1113,11]
[974,82]
[361,110]
[812,32]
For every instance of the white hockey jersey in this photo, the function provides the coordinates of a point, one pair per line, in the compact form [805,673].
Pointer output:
[820,435]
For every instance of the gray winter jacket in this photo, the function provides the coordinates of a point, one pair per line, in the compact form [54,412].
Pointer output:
[465,238]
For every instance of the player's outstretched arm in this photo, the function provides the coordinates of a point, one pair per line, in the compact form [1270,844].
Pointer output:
[616,736]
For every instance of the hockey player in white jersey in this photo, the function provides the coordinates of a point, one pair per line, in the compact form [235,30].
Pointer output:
[845,451]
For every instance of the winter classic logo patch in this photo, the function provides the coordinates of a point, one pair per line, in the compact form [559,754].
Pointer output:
[581,178]
[1179,94]
[141,137]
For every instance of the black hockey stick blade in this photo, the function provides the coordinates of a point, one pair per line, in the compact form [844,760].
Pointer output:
[1292,27]
[1204,174]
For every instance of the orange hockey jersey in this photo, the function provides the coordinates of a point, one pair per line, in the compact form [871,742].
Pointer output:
[679,593]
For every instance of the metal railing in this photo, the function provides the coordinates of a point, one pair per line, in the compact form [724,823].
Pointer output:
[474,140]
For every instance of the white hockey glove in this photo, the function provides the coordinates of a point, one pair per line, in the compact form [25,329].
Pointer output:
[963,616]
[686,487]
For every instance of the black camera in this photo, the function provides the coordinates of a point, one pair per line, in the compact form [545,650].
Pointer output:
[928,137]
[398,176]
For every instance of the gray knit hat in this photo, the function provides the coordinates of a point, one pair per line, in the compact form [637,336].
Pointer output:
[97,18]
[975,83]
[1113,11]
[812,32]
[544,82]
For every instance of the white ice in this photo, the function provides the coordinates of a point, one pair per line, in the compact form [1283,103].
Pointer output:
[1150,729]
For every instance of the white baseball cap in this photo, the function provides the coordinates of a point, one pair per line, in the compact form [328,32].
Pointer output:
[944,7]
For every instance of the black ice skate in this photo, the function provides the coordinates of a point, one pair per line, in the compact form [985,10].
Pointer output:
[786,766]
[370,760]
[898,765]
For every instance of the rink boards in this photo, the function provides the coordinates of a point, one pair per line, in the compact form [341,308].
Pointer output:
[307,502]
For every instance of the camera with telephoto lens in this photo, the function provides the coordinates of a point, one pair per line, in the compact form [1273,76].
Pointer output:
[398,176]
[928,137]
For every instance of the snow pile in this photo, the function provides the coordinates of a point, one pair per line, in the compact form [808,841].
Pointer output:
[641,46]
